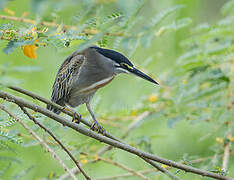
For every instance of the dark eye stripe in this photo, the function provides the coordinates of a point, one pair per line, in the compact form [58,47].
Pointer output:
[126,66]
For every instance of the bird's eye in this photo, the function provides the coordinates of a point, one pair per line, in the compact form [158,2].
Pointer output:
[125,65]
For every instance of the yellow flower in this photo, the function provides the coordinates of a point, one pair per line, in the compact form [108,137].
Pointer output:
[205,85]
[219,140]
[96,157]
[84,161]
[12,13]
[164,166]
[152,98]
[133,113]
[51,175]
[30,50]
[184,81]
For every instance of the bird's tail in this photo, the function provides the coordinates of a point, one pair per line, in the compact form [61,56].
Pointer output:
[53,109]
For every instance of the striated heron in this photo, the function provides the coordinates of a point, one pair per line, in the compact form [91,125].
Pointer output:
[83,73]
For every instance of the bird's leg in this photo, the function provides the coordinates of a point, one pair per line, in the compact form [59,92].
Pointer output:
[95,124]
[76,117]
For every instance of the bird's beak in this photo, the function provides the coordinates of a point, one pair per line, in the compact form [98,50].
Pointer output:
[142,75]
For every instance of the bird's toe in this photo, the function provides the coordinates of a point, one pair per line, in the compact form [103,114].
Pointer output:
[76,117]
[97,127]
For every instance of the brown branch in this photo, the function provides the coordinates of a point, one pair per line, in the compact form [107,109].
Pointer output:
[161,169]
[123,167]
[107,148]
[57,140]
[41,141]
[53,24]
[76,171]
[126,175]
[226,154]
[132,126]
[62,109]
[90,133]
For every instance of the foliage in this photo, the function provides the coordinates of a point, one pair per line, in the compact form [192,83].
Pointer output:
[195,76]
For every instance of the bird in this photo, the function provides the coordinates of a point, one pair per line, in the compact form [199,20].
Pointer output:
[83,73]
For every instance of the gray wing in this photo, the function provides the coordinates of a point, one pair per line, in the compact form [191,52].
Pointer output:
[64,79]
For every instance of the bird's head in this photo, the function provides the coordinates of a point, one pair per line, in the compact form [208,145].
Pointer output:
[122,64]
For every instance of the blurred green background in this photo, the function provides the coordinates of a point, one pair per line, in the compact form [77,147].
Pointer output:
[175,129]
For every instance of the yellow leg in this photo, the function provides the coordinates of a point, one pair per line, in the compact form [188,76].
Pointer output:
[76,117]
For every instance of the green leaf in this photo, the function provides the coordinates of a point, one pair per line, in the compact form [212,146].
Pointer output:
[11,46]
[6,81]
[189,54]
[4,170]
[22,173]
[228,7]
[5,26]
[146,40]
[91,41]
[7,123]
[179,24]
[3,3]
[226,21]
[162,15]
[11,159]
[139,4]
[26,68]
[207,92]
[175,25]
[173,121]
[10,137]
[39,6]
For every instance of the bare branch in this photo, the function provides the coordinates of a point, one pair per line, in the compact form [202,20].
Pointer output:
[132,126]
[226,154]
[163,170]
[46,101]
[41,141]
[52,24]
[147,171]
[123,167]
[57,140]
[99,137]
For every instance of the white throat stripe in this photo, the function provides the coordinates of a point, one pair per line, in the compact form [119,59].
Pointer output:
[93,86]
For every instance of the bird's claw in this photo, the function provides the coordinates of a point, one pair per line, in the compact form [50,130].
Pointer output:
[96,126]
[76,117]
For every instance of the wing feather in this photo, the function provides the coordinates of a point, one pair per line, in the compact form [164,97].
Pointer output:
[64,79]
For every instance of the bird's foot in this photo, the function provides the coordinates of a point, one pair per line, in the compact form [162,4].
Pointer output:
[76,117]
[96,126]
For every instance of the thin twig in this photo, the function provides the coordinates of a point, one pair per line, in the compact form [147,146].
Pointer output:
[41,141]
[62,109]
[123,167]
[163,170]
[226,154]
[130,128]
[147,171]
[53,24]
[107,148]
[57,140]
[99,137]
